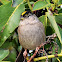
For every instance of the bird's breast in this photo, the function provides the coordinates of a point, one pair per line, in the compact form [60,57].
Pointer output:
[31,35]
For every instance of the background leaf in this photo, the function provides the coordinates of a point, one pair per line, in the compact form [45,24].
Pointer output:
[5,12]
[60,11]
[48,1]
[55,1]
[16,2]
[42,19]
[53,22]
[12,23]
[12,55]
[5,61]
[58,18]
[5,1]
[60,1]
[3,54]
[60,31]
[40,5]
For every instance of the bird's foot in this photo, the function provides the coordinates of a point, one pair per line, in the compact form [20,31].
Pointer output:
[37,48]
[36,51]
[25,53]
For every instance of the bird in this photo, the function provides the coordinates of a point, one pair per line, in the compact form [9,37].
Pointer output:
[31,32]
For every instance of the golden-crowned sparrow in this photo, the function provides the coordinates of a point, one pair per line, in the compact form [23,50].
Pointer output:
[31,32]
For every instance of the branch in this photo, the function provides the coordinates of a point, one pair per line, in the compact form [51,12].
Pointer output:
[44,57]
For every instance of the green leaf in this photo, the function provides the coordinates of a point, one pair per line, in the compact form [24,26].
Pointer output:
[48,1]
[49,30]
[40,5]
[5,45]
[54,24]
[60,1]
[3,54]
[43,19]
[55,1]
[5,1]
[16,2]
[60,11]
[5,61]
[12,55]
[5,12]
[0,3]
[60,31]
[58,18]
[58,45]
[12,23]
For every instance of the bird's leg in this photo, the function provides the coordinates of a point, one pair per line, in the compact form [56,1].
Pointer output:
[37,48]
[41,51]
[43,48]
[25,53]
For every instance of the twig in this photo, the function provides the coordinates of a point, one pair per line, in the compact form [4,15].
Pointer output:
[58,59]
[29,5]
[51,36]
[35,52]
[43,51]
[49,56]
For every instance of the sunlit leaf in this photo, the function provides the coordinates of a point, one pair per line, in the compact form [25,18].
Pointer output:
[48,1]
[54,24]
[42,19]
[5,1]
[5,12]
[12,23]
[16,2]
[55,1]
[40,5]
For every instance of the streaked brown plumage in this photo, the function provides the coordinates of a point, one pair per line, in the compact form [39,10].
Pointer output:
[31,32]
